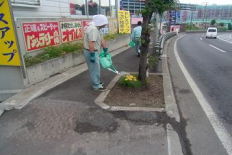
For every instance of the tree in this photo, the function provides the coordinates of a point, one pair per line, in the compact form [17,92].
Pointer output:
[151,6]
[229,26]
[213,22]
[221,24]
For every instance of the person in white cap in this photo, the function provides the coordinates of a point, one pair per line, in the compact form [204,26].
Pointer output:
[93,42]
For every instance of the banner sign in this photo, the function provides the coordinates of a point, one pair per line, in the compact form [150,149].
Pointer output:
[172,17]
[9,51]
[124,21]
[71,31]
[41,34]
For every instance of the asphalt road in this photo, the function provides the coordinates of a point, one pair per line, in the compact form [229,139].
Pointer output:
[209,62]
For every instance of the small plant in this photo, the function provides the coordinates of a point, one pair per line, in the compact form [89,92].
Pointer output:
[130,81]
[153,61]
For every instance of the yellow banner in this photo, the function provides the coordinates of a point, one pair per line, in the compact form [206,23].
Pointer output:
[9,52]
[124,22]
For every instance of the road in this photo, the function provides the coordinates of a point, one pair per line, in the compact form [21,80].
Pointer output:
[209,64]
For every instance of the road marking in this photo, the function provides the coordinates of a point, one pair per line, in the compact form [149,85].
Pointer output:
[216,123]
[201,38]
[217,48]
[219,37]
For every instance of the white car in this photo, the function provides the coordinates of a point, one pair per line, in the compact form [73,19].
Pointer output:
[211,32]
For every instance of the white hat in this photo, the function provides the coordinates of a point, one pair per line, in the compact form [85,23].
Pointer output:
[100,20]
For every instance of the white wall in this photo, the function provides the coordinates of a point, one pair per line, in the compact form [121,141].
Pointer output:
[47,8]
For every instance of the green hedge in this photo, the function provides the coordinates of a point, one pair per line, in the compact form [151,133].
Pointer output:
[112,36]
[57,51]
[53,52]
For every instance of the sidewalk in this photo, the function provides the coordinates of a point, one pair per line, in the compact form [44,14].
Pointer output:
[65,121]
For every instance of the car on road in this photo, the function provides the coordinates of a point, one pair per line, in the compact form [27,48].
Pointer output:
[211,32]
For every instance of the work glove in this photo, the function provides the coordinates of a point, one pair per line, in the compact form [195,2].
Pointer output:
[92,57]
[105,51]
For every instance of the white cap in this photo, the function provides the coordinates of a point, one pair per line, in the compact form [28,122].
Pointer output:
[100,20]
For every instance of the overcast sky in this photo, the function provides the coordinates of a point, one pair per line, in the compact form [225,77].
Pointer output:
[219,2]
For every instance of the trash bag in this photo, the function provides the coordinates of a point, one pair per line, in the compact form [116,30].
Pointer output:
[106,62]
[131,44]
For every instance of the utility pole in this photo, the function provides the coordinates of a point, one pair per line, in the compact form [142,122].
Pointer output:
[191,22]
[128,7]
[205,16]
[191,17]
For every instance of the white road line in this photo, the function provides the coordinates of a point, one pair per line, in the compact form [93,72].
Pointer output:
[224,40]
[201,38]
[217,125]
[217,48]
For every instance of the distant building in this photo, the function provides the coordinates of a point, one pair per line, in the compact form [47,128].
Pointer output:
[187,13]
[132,5]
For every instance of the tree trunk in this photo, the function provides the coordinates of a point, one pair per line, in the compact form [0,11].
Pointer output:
[145,39]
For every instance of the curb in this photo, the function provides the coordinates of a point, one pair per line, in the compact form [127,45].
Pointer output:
[174,144]
[21,99]
[101,98]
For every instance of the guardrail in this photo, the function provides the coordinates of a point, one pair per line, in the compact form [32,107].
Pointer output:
[160,43]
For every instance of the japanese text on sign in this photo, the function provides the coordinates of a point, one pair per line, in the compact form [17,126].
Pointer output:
[71,31]
[9,52]
[124,22]
[41,34]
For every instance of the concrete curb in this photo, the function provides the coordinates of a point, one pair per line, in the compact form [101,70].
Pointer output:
[101,98]
[21,99]
[174,144]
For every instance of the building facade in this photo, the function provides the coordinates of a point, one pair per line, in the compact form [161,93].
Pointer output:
[63,8]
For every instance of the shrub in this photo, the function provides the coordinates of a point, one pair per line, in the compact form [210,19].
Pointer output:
[213,22]
[153,61]
[53,51]
[229,26]
[192,27]
[130,81]
[111,36]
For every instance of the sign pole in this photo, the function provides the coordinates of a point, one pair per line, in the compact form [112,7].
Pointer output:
[22,66]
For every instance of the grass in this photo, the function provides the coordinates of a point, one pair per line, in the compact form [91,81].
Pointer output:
[53,52]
